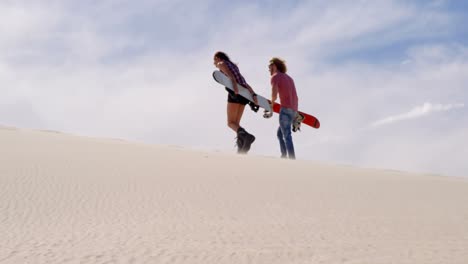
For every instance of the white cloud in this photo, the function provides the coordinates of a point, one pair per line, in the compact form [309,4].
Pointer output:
[417,112]
[405,62]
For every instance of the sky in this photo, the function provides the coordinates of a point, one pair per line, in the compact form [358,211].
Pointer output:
[387,79]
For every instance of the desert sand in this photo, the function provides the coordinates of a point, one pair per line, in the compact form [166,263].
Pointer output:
[72,199]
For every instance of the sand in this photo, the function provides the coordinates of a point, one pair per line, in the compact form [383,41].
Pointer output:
[72,199]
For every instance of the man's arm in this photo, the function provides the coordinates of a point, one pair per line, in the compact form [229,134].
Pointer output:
[274,93]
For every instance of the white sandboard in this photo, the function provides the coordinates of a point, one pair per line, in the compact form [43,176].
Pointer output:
[244,92]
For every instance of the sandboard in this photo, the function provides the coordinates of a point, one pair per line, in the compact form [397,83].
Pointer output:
[244,92]
[264,103]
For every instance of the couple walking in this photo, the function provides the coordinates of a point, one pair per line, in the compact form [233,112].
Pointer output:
[282,85]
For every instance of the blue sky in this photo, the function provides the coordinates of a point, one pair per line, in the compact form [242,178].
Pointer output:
[388,79]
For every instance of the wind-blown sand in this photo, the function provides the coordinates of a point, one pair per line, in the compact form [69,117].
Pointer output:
[69,199]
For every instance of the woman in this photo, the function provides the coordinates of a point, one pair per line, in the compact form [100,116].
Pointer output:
[236,103]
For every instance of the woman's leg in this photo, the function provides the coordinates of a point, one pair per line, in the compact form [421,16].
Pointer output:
[234,115]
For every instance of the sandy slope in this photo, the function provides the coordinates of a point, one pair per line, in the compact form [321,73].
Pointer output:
[68,199]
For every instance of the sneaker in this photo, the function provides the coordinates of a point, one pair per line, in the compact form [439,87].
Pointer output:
[239,144]
[244,140]
[248,140]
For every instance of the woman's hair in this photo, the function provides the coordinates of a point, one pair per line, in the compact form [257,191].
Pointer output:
[280,64]
[222,56]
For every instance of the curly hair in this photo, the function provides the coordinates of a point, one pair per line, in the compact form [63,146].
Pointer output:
[279,63]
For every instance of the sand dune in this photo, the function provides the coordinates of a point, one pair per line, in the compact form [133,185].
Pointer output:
[70,199]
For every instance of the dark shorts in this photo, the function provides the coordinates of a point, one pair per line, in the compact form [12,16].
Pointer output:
[236,99]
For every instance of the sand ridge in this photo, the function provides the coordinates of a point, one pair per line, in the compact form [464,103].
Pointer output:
[71,199]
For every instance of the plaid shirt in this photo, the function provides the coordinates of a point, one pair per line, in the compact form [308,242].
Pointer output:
[235,71]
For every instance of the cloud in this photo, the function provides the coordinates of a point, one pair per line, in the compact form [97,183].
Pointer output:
[417,112]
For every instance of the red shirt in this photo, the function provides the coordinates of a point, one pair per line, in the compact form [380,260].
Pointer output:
[284,86]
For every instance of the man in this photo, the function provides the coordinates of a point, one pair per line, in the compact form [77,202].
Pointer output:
[283,85]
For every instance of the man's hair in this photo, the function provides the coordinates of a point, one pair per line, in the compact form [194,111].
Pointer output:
[223,56]
[280,64]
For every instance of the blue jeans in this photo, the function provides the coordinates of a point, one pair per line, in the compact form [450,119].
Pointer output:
[286,117]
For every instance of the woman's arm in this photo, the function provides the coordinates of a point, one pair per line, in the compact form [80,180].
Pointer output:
[254,95]
[222,67]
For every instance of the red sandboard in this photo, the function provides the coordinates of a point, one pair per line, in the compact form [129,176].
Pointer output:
[308,119]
